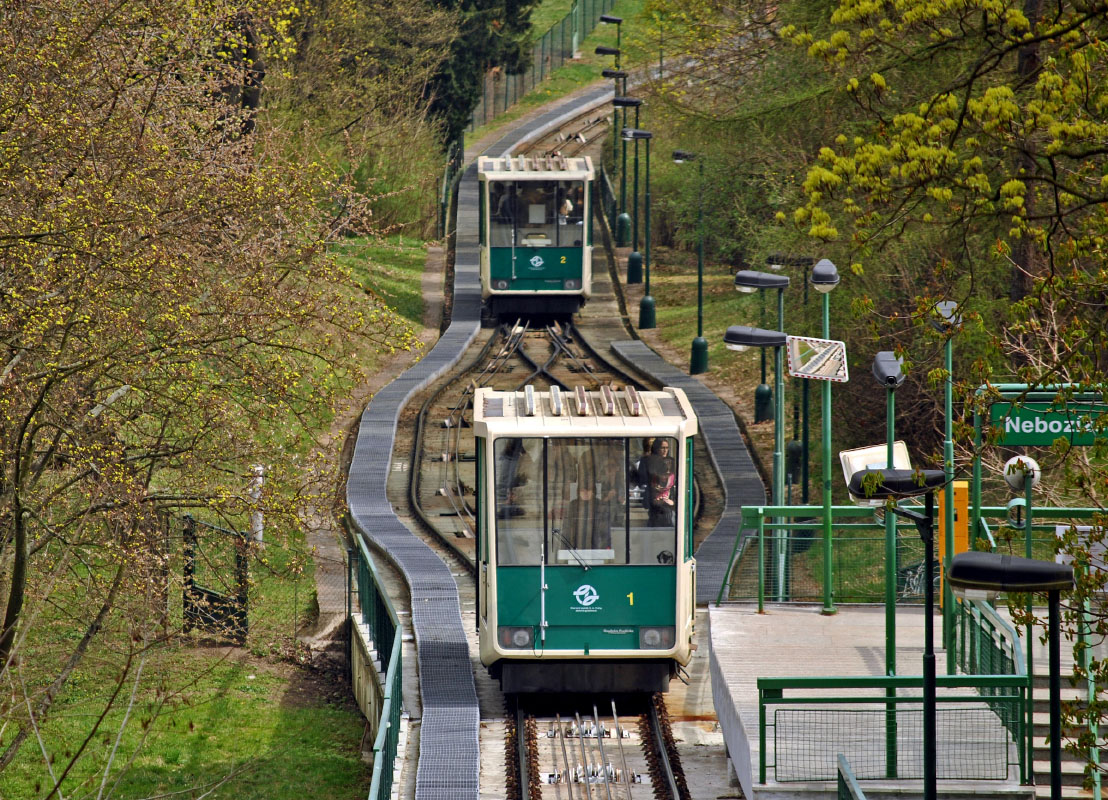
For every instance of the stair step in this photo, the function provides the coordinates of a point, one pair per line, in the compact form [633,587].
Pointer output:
[1068,792]
[1073,773]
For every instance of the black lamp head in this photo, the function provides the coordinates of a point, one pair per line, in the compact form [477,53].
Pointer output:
[627,102]
[742,337]
[631,134]
[681,156]
[603,50]
[618,74]
[608,19]
[887,369]
[825,276]
[997,572]
[948,316]
[750,280]
[895,482]
[779,260]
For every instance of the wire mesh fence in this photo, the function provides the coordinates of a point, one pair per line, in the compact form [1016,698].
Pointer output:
[791,565]
[972,743]
[500,89]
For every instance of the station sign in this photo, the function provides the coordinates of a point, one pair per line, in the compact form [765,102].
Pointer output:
[1041,424]
[816,359]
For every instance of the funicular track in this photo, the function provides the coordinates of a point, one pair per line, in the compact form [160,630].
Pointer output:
[542,355]
[575,751]
[449,746]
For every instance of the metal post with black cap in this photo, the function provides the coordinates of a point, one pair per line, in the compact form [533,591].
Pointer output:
[698,360]
[824,278]
[623,222]
[741,337]
[946,322]
[985,574]
[898,483]
[647,317]
[888,373]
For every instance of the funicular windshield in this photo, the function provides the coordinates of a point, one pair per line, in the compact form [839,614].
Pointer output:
[586,501]
[536,213]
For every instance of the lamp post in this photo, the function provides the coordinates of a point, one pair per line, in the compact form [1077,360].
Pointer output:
[1022,473]
[975,575]
[698,360]
[741,337]
[894,483]
[946,324]
[623,221]
[608,19]
[646,305]
[749,281]
[798,449]
[824,278]
[887,371]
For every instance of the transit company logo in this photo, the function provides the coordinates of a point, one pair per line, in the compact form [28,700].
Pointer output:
[537,262]
[586,595]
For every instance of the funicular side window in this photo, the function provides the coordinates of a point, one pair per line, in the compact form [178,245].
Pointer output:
[586,501]
[536,213]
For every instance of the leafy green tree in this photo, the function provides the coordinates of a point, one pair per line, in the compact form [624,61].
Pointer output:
[169,316]
[492,33]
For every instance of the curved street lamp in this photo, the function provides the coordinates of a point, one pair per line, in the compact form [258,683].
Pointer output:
[824,278]
[646,305]
[623,221]
[897,483]
[698,359]
[742,337]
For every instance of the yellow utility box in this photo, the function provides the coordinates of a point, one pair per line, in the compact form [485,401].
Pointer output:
[961,526]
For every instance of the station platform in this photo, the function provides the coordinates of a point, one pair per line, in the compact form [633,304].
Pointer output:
[799,641]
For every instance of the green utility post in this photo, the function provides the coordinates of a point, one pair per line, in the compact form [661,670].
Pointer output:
[888,372]
[824,278]
[634,260]
[890,595]
[1028,488]
[948,321]
[698,359]
[646,304]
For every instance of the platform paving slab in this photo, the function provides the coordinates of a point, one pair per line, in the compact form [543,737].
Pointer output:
[799,641]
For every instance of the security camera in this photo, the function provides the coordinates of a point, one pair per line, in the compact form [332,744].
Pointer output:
[886,369]
[1017,469]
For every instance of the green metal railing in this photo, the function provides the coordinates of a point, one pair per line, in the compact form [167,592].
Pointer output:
[986,644]
[376,610]
[455,158]
[501,90]
[821,718]
[782,561]
[849,789]
[607,198]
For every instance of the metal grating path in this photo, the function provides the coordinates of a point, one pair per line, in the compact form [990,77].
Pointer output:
[449,760]
[742,485]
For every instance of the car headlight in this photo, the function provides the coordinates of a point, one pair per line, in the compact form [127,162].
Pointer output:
[517,638]
[660,638]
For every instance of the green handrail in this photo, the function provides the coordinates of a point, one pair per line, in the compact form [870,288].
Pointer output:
[376,609]
[849,789]
[771,691]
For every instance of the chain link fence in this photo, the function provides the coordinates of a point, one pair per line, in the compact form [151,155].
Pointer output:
[554,48]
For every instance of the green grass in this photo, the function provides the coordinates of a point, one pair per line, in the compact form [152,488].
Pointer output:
[392,267]
[547,14]
[579,72]
[250,717]
[248,724]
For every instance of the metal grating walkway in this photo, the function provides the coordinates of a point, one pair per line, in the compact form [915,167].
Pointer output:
[742,485]
[449,761]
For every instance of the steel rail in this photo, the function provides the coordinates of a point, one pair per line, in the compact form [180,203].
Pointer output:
[663,755]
